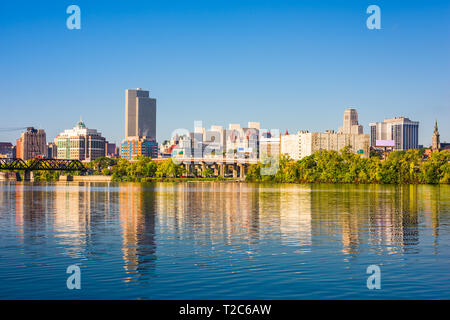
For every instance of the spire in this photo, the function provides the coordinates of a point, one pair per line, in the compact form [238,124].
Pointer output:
[436,127]
[81,124]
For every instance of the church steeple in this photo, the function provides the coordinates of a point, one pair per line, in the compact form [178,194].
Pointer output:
[436,144]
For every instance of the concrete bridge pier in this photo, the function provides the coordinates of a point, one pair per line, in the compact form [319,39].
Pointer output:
[242,169]
[196,170]
[28,176]
[203,168]
[235,171]
[187,167]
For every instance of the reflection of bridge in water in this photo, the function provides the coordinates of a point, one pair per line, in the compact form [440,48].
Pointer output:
[11,164]
[221,166]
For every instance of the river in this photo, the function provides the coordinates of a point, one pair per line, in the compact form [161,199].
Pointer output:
[223,240]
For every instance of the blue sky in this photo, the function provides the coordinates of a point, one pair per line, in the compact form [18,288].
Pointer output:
[288,64]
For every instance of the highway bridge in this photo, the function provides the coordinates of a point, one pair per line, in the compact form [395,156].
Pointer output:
[221,166]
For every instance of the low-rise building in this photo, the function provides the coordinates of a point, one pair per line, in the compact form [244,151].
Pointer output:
[270,144]
[7,150]
[132,147]
[111,150]
[80,143]
[305,143]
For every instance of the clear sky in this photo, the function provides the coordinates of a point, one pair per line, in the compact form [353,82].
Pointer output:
[288,64]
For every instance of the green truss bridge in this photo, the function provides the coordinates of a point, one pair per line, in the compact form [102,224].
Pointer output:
[11,164]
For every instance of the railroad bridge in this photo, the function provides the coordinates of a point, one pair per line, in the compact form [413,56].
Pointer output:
[28,166]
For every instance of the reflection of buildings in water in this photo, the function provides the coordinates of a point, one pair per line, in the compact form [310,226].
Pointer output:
[31,207]
[235,213]
[137,215]
[215,211]
[336,212]
[80,209]
[295,215]
[435,203]
[389,215]
[71,211]
[394,218]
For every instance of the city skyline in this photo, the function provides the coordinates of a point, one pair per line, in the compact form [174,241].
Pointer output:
[150,122]
[288,65]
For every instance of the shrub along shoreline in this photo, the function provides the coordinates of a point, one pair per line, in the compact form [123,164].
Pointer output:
[400,167]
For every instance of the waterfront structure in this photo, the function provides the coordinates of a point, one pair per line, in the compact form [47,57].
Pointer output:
[140,114]
[80,143]
[350,124]
[403,131]
[31,144]
[270,144]
[7,150]
[132,147]
[305,143]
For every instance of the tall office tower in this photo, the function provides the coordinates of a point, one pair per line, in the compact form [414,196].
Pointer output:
[140,114]
[403,131]
[351,124]
[32,143]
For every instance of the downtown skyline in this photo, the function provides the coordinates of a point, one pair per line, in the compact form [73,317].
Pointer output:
[288,65]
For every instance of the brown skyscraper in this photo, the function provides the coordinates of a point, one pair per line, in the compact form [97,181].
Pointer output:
[140,114]
[32,143]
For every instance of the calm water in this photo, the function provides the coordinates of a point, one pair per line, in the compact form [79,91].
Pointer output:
[216,240]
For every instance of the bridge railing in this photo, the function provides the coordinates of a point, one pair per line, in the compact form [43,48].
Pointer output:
[221,160]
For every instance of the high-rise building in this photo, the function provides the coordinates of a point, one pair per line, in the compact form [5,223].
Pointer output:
[140,114]
[31,144]
[404,133]
[80,143]
[350,124]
